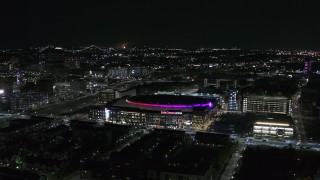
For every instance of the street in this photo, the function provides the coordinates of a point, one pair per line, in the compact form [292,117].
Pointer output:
[68,106]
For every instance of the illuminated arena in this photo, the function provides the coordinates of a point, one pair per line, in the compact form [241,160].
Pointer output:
[161,111]
[169,101]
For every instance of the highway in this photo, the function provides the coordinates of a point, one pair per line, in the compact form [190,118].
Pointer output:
[74,104]
[64,107]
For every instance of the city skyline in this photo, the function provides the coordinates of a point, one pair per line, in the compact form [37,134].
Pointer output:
[161,90]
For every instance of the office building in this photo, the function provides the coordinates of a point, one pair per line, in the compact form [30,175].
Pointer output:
[266,104]
[98,113]
[28,100]
[233,100]
[118,72]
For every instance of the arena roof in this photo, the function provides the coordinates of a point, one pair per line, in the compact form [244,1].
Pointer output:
[169,101]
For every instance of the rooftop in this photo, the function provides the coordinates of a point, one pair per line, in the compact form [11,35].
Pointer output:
[169,101]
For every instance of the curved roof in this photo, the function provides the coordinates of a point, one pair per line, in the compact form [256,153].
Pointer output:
[169,101]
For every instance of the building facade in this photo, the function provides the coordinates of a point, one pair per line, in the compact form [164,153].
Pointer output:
[160,113]
[28,100]
[233,100]
[156,119]
[266,104]
[118,72]
[273,129]
[98,113]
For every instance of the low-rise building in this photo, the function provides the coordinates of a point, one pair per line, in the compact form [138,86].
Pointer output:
[28,100]
[30,128]
[273,128]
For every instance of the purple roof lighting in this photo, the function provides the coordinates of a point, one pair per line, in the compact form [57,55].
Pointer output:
[209,104]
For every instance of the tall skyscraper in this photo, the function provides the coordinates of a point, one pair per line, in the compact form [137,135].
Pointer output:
[233,100]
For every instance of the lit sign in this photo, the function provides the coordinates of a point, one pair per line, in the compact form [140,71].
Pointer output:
[209,104]
[272,124]
[1,91]
[168,112]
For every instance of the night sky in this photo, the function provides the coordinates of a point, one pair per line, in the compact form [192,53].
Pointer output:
[161,23]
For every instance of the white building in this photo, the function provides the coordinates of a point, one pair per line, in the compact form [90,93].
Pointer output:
[273,128]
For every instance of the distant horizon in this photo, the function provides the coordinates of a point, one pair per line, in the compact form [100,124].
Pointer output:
[118,46]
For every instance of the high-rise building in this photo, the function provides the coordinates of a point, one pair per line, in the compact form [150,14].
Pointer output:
[307,67]
[233,100]
[53,58]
